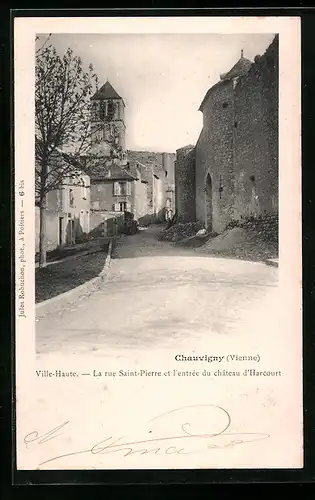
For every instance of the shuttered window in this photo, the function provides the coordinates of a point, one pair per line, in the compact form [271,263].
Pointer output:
[122,188]
[116,188]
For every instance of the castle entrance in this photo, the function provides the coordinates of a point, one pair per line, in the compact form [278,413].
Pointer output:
[208,203]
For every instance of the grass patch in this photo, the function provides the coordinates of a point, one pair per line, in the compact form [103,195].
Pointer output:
[58,278]
[66,251]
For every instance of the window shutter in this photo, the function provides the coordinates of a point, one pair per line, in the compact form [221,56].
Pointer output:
[128,188]
[128,207]
[116,188]
[117,208]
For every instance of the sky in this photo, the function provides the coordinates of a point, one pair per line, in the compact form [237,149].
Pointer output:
[162,78]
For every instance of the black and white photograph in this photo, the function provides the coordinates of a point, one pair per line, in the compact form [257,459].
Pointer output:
[157,243]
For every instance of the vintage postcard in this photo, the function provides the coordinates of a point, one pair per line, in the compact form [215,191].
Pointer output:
[158,243]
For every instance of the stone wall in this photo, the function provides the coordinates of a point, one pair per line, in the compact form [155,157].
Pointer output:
[168,161]
[52,228]
[237,148]
[103,198]
[105,224]
[256,137]
[162,165]
[140,204]
[185,184]
[214,156]
[146,157]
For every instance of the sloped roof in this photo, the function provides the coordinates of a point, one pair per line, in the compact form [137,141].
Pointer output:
[110,172]
[145,171]
[107,91]
[241,68]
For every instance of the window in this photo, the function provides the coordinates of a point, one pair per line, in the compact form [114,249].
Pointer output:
[83,189]
[60,199]
[105,133]
[110,108]
[122,188]
[71,197]
[122,206]
[224,105]
[103,110]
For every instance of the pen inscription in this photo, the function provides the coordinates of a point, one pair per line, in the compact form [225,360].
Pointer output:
[181,431]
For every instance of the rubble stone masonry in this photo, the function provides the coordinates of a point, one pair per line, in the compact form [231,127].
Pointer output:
[256,136]
[214,155]
[185,184]
[237,149]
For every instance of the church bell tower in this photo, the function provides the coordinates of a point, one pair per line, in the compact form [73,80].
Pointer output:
[107,122]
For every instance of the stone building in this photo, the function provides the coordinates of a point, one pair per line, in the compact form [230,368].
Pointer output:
[67,213]
[159,170]
[140,182]
[233,170]
[116,184]
[146,179]
[114,190]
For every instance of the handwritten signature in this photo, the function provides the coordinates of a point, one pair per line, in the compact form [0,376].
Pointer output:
[214,420]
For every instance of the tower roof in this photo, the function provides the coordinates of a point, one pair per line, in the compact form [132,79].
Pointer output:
[107,91]
[241,68]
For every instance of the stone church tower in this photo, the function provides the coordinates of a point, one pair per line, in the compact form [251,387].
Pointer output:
[107,122]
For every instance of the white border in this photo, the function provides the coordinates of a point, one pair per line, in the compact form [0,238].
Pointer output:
[288,28]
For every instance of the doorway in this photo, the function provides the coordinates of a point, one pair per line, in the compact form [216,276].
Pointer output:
[60,237]
[73,232]
[208,203]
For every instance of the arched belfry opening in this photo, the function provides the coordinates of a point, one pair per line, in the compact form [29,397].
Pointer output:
[208,203]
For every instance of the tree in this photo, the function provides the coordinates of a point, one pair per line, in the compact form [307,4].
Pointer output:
[62,124]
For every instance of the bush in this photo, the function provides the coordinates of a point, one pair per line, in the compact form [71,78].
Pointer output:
[232,224]
[82,238]
[180,231]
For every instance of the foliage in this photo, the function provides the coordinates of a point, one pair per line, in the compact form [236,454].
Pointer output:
[180,231]
[62,117]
